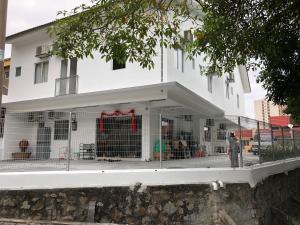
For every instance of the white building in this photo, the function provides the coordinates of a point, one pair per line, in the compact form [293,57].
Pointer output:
[41,87]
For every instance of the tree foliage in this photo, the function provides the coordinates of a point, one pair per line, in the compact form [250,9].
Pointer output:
[120,29]
[227,32]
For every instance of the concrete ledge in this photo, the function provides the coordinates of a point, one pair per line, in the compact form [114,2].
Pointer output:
[148,177]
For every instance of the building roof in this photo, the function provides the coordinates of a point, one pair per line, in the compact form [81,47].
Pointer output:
[12,37]
[244,78]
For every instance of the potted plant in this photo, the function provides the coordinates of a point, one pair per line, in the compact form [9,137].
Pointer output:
[24,154]
[23,145]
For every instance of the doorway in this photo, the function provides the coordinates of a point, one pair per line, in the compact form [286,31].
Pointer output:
[43,143]
[117,138]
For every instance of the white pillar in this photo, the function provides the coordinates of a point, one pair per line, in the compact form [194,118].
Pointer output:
[146,152]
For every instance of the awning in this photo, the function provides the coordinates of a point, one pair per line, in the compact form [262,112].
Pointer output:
[158,95]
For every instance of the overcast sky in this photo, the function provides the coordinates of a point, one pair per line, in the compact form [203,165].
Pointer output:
[24,14]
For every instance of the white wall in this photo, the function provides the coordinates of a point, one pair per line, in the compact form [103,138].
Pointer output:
[197,82]
[23,87]
[17,128]
[96,75]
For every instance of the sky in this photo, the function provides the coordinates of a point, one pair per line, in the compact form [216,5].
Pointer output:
[25,14]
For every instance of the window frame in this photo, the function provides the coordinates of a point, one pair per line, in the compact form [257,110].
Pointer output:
[43,78]
[193,63]
[59,134]
[238,101]
[6,74]
[18,71]
[207,134]
[227,90]
[4,92]
[118,66]
[210,83]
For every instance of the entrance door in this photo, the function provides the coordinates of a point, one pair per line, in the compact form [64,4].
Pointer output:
[43,143]
[73,74]
[118,140]
[63,75]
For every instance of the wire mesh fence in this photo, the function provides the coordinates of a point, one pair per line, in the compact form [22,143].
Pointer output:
[98,139]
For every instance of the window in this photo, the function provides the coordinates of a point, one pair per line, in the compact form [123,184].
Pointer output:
[209,83]
[238,100]
[231,77]
[227,90]
[117,65]
[64,68]
[4,90]
[41,72]
[221,134]
[6,74]
[61,129]
[182,61]
[207,134]
[193,63]
[179,59]
[3,110]
[73,66]
[18,71]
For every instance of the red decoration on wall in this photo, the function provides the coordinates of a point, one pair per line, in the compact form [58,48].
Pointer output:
[118,113]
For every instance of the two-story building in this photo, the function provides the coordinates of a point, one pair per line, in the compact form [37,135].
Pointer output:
[114,106]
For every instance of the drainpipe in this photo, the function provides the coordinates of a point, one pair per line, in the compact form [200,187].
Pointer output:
[69,141]
[160,141]
[241,144]
[215,186]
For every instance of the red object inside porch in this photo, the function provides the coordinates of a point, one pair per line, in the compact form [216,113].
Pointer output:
[118,113]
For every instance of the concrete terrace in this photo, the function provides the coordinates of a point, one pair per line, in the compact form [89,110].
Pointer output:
[220,161]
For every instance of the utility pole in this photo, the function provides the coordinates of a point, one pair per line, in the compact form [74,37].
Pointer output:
[3,15]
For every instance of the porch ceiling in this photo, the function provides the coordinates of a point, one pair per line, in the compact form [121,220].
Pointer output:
[193,102]
[169,96]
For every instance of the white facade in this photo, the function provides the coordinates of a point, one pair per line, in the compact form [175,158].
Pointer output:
[105,89]
[97,75]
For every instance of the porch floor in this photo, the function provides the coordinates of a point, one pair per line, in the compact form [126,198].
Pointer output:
[219,161]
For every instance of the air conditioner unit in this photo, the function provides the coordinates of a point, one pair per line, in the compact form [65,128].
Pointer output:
[51,115]
[43,51]
[31,117]
[40,116]
[58,115]
[210,122]
[222,126]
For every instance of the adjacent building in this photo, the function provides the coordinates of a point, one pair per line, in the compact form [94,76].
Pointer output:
[265,109]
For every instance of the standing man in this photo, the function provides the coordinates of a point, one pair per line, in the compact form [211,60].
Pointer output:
[233,151]
[3,14]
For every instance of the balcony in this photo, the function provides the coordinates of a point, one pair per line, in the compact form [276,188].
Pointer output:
[66,86]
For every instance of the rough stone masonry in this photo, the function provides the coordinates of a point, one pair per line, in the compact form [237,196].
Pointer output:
[235,204]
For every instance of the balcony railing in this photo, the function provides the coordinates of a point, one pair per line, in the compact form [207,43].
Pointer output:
[66,85]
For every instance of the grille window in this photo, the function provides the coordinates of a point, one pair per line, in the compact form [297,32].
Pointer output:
[61,129]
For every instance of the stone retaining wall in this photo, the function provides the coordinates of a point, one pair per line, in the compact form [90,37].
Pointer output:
[160,205]
[30,222]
